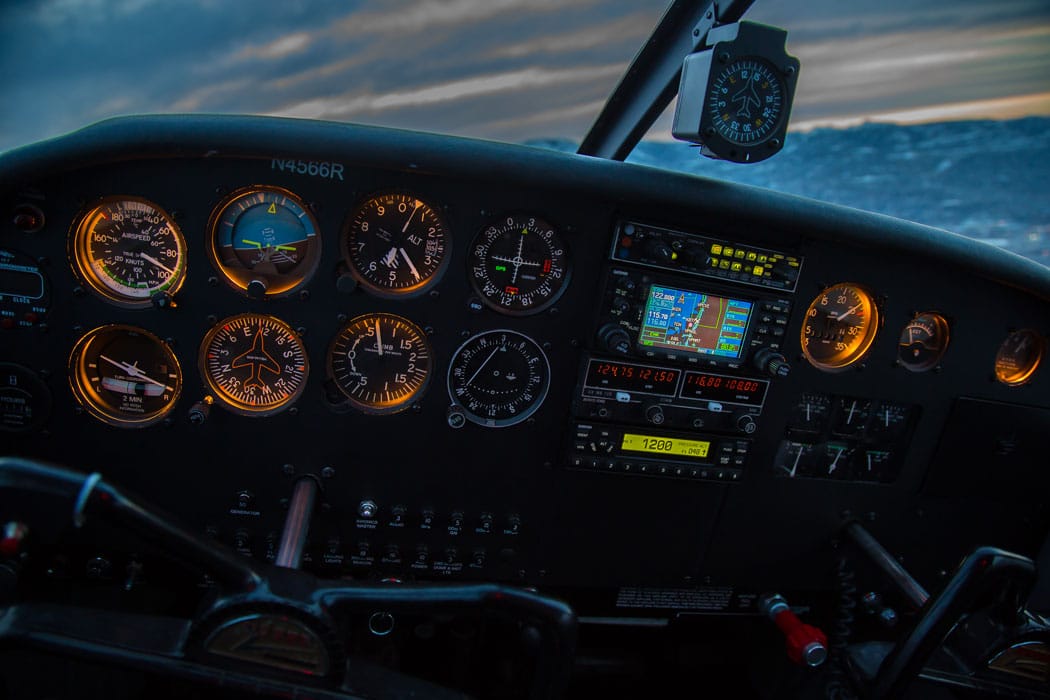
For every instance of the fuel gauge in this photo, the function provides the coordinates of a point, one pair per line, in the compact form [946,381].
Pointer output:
[875,465]
[794,459]
[811,413]
[851,416]
[889,421]
[923,342]
[837,458]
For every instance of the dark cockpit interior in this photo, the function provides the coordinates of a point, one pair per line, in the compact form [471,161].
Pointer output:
[309,409]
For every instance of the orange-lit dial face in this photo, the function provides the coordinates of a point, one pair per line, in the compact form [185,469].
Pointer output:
[255,364]
[839,327]
[1019,357]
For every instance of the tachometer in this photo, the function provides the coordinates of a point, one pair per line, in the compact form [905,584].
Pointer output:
[381,362]
[923,342]
[1019,357]
[255,364]
[264,241]
[396,245]
[127,249]
[839,327]
[125,376]
[519,265]
[498,378]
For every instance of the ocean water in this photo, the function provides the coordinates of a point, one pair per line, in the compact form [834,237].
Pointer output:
[983,179]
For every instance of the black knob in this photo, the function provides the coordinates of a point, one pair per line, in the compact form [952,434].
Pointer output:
[620,305]
[614,338]
[746,423]
[256,289]
[771,362]
[654,413]
[660,251]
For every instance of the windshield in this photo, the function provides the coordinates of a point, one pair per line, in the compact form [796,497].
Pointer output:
[892,113]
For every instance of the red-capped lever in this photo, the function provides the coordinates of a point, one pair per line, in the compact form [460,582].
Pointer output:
[14,534]
[805,643]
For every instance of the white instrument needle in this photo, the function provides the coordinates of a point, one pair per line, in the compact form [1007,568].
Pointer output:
[415,272]
[379,339]
[153,261]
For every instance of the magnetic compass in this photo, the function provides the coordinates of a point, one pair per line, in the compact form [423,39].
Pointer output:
[735,98]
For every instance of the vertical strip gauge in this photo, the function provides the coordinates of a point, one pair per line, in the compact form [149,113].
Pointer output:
[125,376]
[255,364]
[128,249]
[264,241]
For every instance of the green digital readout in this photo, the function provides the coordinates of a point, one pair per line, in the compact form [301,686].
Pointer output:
[696,449]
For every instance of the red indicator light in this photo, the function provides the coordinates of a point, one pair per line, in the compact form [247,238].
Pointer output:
[547,266]
[510,290]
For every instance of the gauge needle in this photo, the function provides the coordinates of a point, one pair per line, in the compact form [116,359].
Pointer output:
[835,462]
[848,311]
[134,372]
[794,467]
[152,260]
[405,227]
[379,339]
[415,272]
[852,408]
[487,359]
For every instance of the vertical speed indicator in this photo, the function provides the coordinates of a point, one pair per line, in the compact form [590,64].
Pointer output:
[519,265]
[381,362]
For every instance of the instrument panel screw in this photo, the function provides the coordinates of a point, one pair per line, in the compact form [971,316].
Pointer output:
[774,143]
[723,57]
[574,343]
[288,470]
[710,131]
[327,473]
[789,70]
[553,311]
[464,334]
[301,331]
[304,295]
[429,330]
[342,318]
[212,319]
[168,422]
[78,291]
[696,32]
[213,280]
[546,345]
[434,294]
[293,411]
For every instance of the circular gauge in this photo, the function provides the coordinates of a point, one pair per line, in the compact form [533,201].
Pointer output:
[498,378]
[255,364]
[25,401]
[264,241]
[519,265]
[126,249]
[746,101]
[381,362]
[839,327]
[396,245]
[923,342]
[1019,357]
[25,295]
[125,376]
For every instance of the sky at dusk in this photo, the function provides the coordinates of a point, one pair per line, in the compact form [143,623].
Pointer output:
[503,69]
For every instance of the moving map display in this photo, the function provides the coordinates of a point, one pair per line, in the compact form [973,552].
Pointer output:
[705,324]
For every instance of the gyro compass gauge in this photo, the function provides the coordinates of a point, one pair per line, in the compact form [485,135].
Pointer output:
[735,97]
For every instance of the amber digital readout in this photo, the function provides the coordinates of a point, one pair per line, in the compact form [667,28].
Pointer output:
[695,449]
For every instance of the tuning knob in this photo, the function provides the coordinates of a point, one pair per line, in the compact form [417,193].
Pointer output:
[654,413]
[614,339]
[746,423]
[771,362]
[660,251]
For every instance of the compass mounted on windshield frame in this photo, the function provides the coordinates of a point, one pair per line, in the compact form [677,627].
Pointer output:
[735,97]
